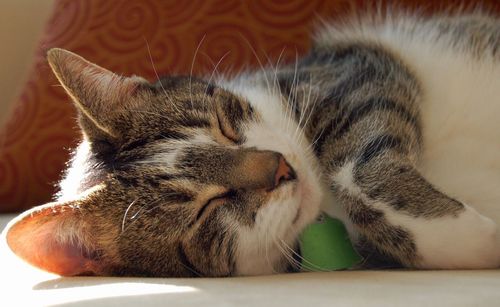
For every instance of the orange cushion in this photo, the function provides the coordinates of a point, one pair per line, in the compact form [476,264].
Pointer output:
[116,35]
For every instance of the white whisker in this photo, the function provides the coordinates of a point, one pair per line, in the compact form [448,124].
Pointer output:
[260,63]
[287,255]
[192,67]
[214,71]
[310,264]
[126,212]
[156,72]
[291,94]
[298,129]
[266,252]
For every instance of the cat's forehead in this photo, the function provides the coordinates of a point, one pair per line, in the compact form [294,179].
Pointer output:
[172,108]
[184,89]
[183,107]
[181,82]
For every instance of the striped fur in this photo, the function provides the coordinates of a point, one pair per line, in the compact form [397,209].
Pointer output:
[181,177]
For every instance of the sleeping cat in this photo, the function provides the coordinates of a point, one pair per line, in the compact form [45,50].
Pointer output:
[390,124]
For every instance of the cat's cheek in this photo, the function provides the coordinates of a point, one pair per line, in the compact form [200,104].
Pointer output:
[310,199]
[257,249]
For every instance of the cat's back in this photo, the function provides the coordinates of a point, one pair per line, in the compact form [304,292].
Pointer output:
[456,59]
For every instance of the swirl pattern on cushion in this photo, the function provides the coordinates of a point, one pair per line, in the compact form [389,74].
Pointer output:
[231,34]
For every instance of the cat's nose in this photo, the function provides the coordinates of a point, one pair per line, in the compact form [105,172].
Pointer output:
[259,170]
[284,172]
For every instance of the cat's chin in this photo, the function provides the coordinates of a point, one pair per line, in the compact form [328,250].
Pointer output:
[310,196]
[278,225]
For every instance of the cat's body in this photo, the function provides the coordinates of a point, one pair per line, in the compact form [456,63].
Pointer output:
[448,72]
[390,124]
[456,62]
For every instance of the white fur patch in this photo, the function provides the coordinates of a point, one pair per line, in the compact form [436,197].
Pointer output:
[169,150]
[467,241]
[461,132]
[71,182]
[276,226]
[260,247]
[460,110]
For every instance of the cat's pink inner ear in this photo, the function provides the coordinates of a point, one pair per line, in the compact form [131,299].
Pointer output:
[49,237]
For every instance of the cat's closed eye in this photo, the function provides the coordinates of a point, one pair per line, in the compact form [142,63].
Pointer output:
[226,130]
[217,200]
[230,112]
[225,127]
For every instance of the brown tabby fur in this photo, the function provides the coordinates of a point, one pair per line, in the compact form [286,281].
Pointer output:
[153,197]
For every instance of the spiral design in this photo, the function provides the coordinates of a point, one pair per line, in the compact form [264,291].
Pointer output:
[282,13]
[48,155]
[8,174]
[10,179]
[67,23]
[23,116]
[131,23]
[166,57]
[180,13]
[231,44]
[219,7]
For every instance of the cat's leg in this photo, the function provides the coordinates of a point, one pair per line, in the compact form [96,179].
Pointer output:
[367,136]
[369,154]
[404,217]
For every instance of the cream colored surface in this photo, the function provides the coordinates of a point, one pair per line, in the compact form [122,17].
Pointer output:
[23,285]
[21,23]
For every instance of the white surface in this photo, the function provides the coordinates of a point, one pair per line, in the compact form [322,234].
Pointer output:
[23,285]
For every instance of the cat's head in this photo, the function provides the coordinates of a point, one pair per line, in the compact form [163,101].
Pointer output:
[177,178]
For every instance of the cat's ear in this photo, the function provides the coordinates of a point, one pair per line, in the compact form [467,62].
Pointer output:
[54,238]
[99,94]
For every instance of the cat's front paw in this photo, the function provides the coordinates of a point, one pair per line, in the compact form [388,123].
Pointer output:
[467,241]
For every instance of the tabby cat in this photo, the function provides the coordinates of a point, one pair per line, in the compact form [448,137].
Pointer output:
[390,124]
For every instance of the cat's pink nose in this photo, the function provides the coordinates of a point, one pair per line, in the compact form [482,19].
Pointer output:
[283,172]
[260,170]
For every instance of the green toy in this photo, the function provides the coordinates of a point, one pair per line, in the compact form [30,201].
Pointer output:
[325,246]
